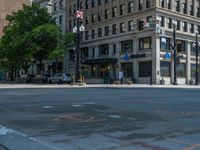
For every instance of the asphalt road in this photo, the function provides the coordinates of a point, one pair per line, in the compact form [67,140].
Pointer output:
[100,119]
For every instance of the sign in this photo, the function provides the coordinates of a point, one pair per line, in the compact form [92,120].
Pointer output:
[167,55]
[137,55]
[79,14]
[126,57]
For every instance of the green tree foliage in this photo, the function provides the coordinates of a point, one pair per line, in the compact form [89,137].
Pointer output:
[30,34]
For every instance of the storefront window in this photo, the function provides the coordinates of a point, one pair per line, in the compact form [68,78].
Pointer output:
[127,69]
[181,70]
[145,69]
[164,43]
[103,49]
[165,68]
[193,70]
[127,46]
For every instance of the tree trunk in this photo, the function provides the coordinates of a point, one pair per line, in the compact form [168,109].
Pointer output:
[56,65]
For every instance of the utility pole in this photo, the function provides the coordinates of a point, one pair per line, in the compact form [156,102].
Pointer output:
[174,49]
[197,54]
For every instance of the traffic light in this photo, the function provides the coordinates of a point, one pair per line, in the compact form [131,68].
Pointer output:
[140,25]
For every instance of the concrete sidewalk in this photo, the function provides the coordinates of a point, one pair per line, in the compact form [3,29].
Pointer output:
[15,85]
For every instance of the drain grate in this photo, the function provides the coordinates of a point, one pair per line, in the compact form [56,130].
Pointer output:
[2,147]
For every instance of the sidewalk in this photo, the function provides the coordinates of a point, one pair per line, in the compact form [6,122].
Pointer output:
[15,85]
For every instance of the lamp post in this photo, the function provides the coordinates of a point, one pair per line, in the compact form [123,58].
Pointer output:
[196,45]
[78,29]
[174,49]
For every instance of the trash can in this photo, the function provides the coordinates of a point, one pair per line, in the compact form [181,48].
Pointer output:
[162,81]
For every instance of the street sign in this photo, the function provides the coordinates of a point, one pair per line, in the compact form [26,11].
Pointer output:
[126,57]
[167,55]
[79,14]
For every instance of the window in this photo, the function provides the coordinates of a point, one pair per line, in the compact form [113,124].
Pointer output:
[99,2]
[60,19]
[106,1]
[162,22]
[181,70]
[114,49]
[145,69]
[70,24]
[86,35]
[87,4]
[185,7]
[193,70]
[162,3]
[106,13]
[149,19]
[114,29]
[61,4]
[93,18]
[87,19]
[165,43]
[99,32]
[198,12]
[70,10]
[122,9]
[180,46]
[148,2]
[169,4]
[169,22]
[81,5]
[177,4]
[130,25]
[126,46]
[191,10]
[55,6]
[178,25]
[165,69]
[185,26]
[122,27]
[106,30]
[192,28]
[93,3]
[75,8]
[145,43]
[93,33]
[99,16]
[130,7]
[114,11]
[140,4]
[127,69]
[198,28]
[103,49]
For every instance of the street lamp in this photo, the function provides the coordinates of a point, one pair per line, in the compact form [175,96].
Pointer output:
[174,49]
[196,45]
[78,29]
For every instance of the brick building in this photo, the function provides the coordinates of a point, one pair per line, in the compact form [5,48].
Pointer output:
[7,7]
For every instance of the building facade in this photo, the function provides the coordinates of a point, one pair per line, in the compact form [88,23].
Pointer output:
[114,41]
[7,7]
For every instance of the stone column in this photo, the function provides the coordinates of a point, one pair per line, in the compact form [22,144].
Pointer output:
[188,65]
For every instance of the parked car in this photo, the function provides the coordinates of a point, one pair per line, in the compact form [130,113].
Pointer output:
[60,78]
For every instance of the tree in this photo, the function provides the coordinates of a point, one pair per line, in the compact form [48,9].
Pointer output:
[59,52]
[30,34]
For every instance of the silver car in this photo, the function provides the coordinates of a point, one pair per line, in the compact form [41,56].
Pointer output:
[60,78]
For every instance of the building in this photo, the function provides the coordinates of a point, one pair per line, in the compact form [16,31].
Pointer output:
[6,8]
[57,8]
[116,41]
